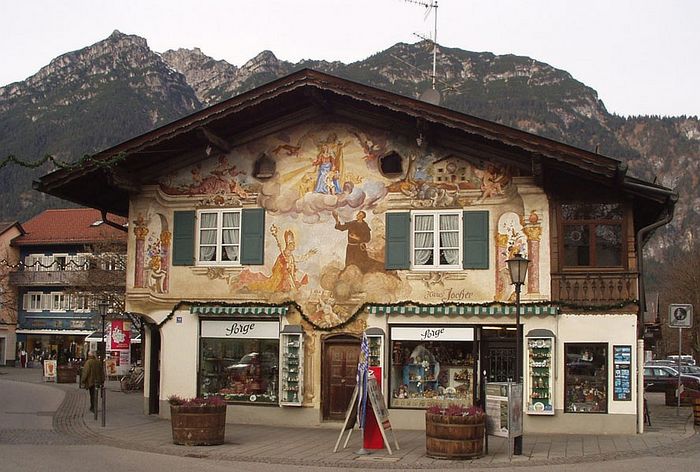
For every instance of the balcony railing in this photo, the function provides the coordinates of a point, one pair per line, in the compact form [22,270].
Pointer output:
[24,278]
[595,288]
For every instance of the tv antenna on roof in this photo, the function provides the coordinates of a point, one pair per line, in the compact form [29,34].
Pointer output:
[430,6]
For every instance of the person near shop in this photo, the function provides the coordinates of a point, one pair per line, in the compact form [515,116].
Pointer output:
[92,377]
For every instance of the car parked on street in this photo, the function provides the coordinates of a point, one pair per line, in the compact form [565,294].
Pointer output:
[660,378]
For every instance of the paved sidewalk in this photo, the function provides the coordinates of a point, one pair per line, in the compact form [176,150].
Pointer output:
[128,428]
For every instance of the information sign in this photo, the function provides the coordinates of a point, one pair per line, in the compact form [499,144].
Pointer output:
[680,316]
[622,373]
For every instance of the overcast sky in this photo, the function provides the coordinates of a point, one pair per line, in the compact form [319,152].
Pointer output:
[640,55]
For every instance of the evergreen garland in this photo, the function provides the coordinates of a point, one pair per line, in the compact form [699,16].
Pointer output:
[102,163]
[405,303]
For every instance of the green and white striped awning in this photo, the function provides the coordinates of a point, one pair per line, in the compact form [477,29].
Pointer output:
[238,310]
[452,310]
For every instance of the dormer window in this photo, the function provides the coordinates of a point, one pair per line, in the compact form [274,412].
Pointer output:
[264,168]
[391,165]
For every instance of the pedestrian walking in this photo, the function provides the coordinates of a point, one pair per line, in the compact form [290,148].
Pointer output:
[91,377]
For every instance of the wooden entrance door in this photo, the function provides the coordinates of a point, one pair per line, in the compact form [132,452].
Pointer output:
[340,357]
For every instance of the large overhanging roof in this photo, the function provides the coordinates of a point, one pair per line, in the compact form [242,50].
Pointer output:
[308,94]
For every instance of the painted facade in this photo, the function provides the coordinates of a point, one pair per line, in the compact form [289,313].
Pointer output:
[312,210]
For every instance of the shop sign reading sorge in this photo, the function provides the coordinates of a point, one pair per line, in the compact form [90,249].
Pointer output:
[240,329]
[430,333]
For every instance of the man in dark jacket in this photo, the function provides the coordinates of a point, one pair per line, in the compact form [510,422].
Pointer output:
[92,377]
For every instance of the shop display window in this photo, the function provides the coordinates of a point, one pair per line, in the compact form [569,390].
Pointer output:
[429,373]
[586,378]
[240,370]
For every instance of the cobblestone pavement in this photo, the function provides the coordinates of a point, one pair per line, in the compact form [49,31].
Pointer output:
[128,428]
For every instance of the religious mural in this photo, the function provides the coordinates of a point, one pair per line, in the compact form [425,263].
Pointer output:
[153,238]
[325,202]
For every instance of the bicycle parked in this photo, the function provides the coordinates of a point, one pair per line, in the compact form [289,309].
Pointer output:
[133,381]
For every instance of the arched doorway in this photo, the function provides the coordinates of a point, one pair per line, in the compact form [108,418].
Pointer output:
[339,357]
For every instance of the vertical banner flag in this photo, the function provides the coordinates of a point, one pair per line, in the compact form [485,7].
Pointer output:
[120,335]
[362,371]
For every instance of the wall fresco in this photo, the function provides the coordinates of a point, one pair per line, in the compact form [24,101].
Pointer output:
[153,238]
[325,197]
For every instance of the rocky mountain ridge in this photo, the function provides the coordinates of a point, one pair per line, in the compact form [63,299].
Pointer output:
[118,88]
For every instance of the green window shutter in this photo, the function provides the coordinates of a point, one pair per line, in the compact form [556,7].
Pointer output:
[183,238]
[398,234]
[253,236]
[475,234]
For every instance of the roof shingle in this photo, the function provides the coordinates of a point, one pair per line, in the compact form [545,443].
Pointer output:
[70,226]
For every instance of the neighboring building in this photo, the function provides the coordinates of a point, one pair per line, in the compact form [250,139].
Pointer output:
[269,231]
[9,257]
[69,257]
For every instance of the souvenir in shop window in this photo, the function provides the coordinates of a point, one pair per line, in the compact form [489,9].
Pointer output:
[586,378]
[429,373]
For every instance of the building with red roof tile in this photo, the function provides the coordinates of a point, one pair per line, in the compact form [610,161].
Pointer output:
[68,259]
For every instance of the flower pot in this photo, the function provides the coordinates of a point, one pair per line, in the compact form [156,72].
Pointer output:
[454,437]
[201,425]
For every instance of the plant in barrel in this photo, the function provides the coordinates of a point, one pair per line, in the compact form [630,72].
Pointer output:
[454,432]
[198,421]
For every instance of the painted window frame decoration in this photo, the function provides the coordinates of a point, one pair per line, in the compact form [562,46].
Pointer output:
[594,223]
[428,225]
[219,230]
[586,388]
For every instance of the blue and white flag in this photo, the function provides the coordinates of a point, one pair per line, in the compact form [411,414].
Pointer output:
[362,373]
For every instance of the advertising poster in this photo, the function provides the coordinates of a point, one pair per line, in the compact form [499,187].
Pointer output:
[497,409]
[120,335]
[111,366]
[622,373]
[50,370]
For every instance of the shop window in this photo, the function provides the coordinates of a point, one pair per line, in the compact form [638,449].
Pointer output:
[425,373]
[586,378]
[437,240]
[592,234]
[218,236]
[240,370]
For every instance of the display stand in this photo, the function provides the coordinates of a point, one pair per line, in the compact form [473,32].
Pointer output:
[379,411]
[504,411]
[291,380]
[540,372]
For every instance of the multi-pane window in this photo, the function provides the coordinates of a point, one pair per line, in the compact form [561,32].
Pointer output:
[592,234]
[436,240]
[219,236]
[33,301]
[80,303]
[59,301]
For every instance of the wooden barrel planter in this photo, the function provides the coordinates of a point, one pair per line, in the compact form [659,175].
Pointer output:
[198,425]
[454,437]
[65,374]
[696,410]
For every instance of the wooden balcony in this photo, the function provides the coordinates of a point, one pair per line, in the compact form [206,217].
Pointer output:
[62,278]
[595,288]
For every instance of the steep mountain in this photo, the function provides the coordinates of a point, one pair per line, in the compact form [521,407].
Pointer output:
[84,101]
[118,88]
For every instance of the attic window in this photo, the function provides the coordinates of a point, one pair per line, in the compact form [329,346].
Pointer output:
[264,168]
[391,165]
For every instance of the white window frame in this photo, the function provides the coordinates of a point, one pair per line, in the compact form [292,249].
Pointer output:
[32,259]
[56,266]
[63,302]
[436,266]
[80,303]
[39,298]
[219,244]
